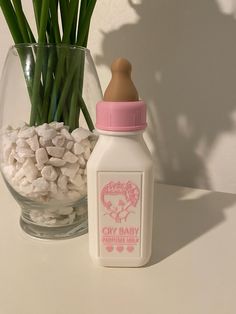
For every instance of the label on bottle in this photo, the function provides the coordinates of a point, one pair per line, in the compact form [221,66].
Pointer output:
[120,214]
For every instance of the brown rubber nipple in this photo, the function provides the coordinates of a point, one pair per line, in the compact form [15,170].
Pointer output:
[121,87]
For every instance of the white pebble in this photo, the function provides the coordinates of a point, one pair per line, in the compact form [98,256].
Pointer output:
[44,142]
[49,173]
[69,157]
[20,142]
[65,210]
[58,140]
[24,182]
[49,134]
[36,215]
[19,159]
[82,162]
[86,143]
[33,142]
[87,153]
[62,182]
[80,134]
[72,217]
[70,170]
[55,151]
[72,187]
[39,166]
[78,149]
[81,171]
[57,162]
[23,152]
[11,158]
[26,132]
[41,156]
[69,145]
[77,179]
[66,134]
[30,171]
[63,222]
[83,189]
[41,128]
[73,195]
[93,143]
[9,171]
[12,135]
[57,125]
[40,185]
[19,175]
[46,131]
[53,187]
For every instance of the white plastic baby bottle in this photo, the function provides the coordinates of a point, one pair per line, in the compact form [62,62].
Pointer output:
[120,177]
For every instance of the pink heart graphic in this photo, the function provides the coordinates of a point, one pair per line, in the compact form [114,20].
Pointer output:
[109,248]
[120,248]
[130,248]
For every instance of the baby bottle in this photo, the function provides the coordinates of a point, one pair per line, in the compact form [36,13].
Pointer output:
[120,177]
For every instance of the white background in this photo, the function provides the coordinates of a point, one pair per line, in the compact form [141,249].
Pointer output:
[184,58]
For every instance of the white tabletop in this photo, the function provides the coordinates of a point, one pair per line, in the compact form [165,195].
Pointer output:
[192,270]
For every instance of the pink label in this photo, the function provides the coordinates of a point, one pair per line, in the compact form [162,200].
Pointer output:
[119,201]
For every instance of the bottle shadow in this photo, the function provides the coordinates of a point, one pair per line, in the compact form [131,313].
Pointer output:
[180,218]
[183,56]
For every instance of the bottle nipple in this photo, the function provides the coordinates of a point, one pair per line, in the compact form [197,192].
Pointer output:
[121,88]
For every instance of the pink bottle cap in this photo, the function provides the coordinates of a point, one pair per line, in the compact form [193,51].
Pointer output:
[121,110]
[121,116]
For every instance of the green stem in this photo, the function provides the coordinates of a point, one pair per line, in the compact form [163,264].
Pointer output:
[21,20]
[48,83]
[36,101]
[54,18]
[64,94]
[64,4]
[37,4]
[85,22]
[11,19]
[71,14]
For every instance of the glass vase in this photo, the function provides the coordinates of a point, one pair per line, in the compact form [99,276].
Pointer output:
[47,102]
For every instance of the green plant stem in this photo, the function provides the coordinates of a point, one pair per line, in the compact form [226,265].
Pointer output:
[53,111]
[31,35]
[55,78]
[48,83]
[74,25]
[70,17]
[37,5]
[64,94]
[36,101]
[54,19]
[21,20]
[85,23]
[64,4]
[11,19]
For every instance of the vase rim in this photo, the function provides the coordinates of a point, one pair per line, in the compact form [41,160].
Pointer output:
[70,46]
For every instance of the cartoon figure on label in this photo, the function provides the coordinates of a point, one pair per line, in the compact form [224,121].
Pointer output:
[118,198]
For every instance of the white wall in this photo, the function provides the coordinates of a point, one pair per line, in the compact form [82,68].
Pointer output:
[184,58]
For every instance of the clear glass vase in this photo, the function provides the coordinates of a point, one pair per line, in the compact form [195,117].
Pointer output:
[47,98]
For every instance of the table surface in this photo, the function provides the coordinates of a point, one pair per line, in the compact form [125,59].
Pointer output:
[192,269]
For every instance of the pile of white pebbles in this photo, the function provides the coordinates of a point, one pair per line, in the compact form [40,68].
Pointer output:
[47,164]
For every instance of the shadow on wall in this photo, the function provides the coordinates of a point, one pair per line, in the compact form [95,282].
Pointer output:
[181,217]
[184,59]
